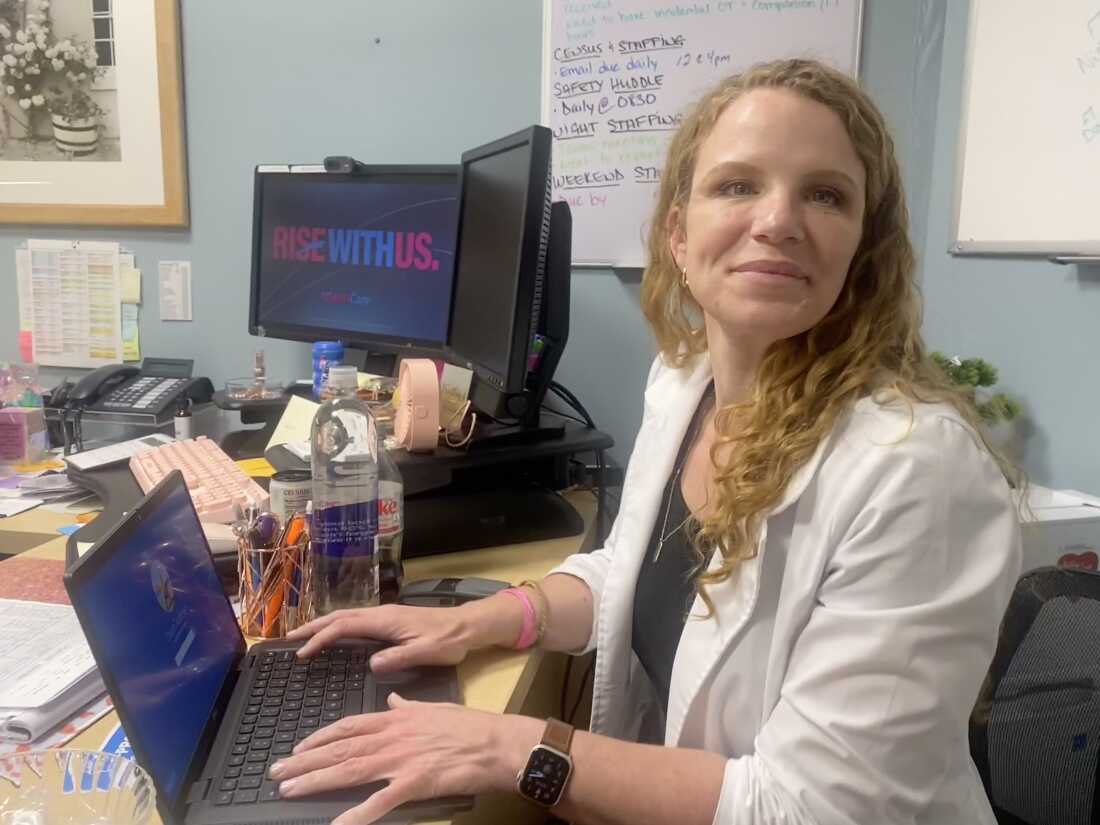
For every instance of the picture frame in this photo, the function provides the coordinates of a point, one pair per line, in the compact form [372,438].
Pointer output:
[135,174]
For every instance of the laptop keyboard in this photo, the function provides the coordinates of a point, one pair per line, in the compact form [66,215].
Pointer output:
[290,698]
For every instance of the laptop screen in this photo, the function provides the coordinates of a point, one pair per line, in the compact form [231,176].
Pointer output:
[164,631]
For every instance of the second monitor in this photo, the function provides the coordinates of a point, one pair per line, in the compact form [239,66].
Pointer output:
[504,231]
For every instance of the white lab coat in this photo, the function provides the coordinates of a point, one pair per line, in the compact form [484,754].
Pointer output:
[844,659]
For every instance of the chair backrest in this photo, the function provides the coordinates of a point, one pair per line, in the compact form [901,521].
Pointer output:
[1035,731]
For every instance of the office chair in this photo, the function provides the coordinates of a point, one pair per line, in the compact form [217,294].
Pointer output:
[1035,730]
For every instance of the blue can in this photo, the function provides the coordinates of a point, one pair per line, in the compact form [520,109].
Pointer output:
[325,354]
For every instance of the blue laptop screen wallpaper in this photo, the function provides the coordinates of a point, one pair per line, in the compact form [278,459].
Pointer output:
[166,632]
[374,258]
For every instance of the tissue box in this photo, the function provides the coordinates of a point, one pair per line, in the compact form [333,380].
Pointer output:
[22,434]
[1065,532]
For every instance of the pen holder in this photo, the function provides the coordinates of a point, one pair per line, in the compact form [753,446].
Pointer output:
[275,589]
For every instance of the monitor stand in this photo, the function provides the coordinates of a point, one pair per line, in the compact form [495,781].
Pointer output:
[267,411]
[494,435]
[375,363]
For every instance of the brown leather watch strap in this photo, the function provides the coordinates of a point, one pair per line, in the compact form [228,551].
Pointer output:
[558,735]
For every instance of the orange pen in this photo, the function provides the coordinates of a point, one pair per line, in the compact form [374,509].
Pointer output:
[284,571]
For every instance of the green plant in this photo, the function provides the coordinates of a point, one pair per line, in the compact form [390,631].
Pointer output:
[972,373]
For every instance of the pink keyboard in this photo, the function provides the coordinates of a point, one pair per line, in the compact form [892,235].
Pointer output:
[214,480]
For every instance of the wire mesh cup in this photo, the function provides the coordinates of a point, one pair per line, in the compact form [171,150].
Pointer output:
[274,590]
[74,787]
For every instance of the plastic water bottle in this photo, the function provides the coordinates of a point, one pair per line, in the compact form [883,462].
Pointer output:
[344,534]
[326,354]
[391,526]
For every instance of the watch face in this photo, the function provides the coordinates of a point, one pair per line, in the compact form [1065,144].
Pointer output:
[544,777]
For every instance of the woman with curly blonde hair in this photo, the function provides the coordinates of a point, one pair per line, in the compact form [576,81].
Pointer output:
[798,601]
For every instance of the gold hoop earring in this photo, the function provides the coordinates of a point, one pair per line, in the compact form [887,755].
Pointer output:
[684,277]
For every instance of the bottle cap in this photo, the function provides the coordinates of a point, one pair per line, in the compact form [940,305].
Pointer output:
[343,377]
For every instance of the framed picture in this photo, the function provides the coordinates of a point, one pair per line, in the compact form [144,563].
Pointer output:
[91,113]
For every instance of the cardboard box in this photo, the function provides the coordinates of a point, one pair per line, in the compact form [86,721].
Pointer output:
[1065,531]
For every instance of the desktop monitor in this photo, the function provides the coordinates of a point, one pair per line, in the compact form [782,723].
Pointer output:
[366,257]
[501,252]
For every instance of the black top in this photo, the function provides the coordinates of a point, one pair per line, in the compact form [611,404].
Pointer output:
[666,583]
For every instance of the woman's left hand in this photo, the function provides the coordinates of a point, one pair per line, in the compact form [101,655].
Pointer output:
[423,749]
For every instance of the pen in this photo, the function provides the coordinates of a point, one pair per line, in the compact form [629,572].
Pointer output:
[282,570]
[294,598]
[257,587]
[276,585]
[291,574]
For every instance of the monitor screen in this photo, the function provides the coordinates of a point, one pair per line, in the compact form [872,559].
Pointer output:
[503,236]
[367,259]
[163,629]
[495,193]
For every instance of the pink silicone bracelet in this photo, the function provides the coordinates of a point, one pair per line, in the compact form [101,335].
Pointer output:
[528,633]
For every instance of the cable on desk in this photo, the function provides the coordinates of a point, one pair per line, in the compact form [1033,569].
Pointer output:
[601,501]
[571,716]
[567,396]
[546,408]
[565,688]
[588,671]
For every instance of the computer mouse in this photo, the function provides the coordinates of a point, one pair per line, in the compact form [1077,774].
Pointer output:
[448,592]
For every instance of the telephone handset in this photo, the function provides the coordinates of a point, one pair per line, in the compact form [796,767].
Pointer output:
[154,388]
[100,382]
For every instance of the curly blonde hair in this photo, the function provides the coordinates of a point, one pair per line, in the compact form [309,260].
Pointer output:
[868,343]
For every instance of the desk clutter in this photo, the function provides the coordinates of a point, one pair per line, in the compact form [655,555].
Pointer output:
[275,572]
[28,486]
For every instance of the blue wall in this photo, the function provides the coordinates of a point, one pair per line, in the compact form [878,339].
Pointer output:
[1038,322]
[266,82]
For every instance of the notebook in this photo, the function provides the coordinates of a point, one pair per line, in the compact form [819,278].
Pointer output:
[205,716]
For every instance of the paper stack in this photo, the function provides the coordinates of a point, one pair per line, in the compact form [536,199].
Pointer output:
[21,493]
[49,672]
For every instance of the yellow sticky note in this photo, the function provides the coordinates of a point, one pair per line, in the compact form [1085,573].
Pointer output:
[131,340]
[39,466]
[256,467]
[130,285]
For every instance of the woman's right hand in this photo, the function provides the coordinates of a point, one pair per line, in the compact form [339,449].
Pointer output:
[420,635]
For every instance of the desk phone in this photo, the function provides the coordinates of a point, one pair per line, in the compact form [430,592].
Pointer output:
[154,388]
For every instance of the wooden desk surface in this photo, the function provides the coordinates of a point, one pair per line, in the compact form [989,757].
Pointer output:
[499,681]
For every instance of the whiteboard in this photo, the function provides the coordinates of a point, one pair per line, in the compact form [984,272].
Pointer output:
[1028,160]
[617,75]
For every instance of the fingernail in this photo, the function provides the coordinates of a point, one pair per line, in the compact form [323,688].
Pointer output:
[276,770]
[287,788]
[379,659]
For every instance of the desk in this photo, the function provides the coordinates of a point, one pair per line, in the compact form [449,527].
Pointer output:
[500,681]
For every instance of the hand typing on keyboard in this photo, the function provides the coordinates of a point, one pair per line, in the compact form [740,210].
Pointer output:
[216,484]
[424,749]
[418,635]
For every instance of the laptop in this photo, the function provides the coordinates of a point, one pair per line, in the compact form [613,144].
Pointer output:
[205,715]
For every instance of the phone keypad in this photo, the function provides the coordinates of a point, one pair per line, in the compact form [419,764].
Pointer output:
[145,393]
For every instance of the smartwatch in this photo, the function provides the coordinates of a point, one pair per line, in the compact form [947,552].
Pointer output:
[549,766]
